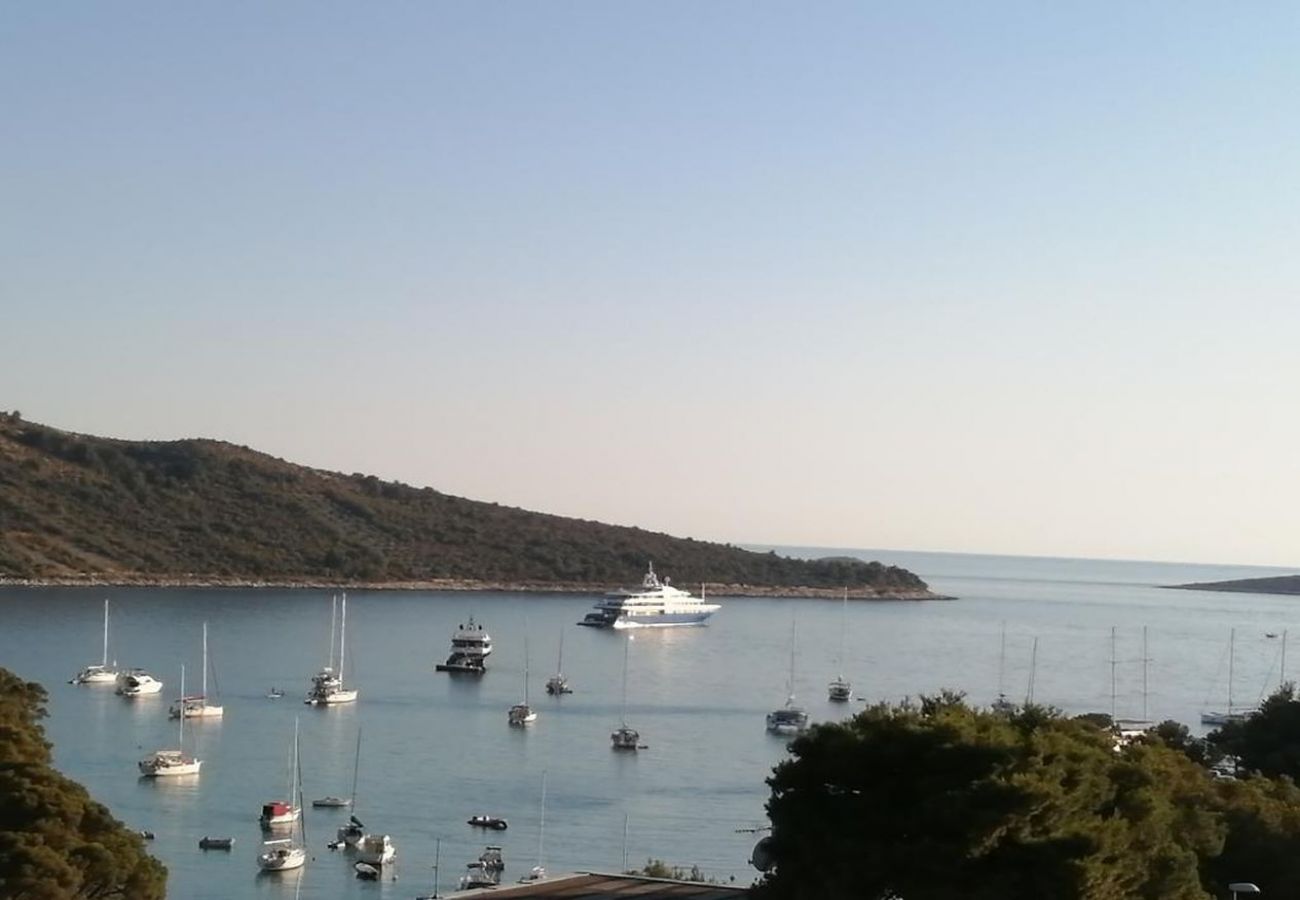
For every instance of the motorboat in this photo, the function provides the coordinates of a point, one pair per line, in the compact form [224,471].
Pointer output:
[330,803]
[274,694]
[137,683]
[349,835]
[366,872]
[484,821]
[165,763]
[198,706]
[213,843]
[376,849]
[470,648]
[477,875]
[327,687]
[654,604]
[492,859]
[102,673]
[278,813]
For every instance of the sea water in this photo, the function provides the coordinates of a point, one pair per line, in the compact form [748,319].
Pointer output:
[436,749]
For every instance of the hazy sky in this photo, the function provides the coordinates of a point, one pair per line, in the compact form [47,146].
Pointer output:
[1005,277]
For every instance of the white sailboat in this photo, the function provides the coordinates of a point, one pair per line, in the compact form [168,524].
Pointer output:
[789,719]
[623,737]
[197,706]
[283,854]
[841,690]
[1231,713]
[327,688]
[102,673]
[523,714]
[163,763]
[558,685]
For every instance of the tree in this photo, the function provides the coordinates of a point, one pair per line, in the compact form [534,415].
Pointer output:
[1269,741]
[56,842]
[937,800]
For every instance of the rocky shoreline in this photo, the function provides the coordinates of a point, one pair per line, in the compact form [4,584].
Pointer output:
[456,584]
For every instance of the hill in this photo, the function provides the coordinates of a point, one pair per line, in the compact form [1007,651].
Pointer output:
[76,508]
[1278,584]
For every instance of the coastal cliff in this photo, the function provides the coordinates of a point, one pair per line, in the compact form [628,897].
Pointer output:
[78,509]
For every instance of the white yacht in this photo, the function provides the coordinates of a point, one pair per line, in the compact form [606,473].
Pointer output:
[137,683]
[376,850]
[327,688]
[102,673]
[163,763]
[198,706]
[470,647]
[654,604]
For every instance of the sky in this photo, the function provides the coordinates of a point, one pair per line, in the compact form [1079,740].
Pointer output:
[1003,278]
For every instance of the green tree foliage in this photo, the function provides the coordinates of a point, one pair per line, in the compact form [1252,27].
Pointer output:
[56,843]
[1269,741]
[76,505]
[938,800]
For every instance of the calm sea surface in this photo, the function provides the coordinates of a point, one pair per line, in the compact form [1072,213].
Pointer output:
[436,750]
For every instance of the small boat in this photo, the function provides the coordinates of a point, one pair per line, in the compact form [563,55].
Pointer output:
[376,849]
[327,688]
[478,875]
[146,834]
[102,673]
[274,694]
[171,762]
[492,859]
[329,803]
[483,821]
[279,812]
[470,647]
[366,872]
[655,604]
[137,683]
[211,843]
[557,685]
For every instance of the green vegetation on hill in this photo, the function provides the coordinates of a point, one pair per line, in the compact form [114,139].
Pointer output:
[55,841]
[74,506]
[936,800]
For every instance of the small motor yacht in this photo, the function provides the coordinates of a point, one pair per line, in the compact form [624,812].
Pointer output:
[376,849]
[366,872]
[137,683]
[279,812]
[213,843]
[484,821]
[478,875]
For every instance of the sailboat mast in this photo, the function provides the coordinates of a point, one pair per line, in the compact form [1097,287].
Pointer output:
[1033,671]
[844,621]
[180,738]
[334,616]
[626,650]
[297,784]
[541,826]
[1281,678]
[790,683]
[205,662]
[1146,666]
[559,663]
[356,766]
[343,634]
[1002,663]
[525,668]
[105,662]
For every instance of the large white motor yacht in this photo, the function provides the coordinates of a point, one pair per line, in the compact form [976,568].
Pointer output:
[136,683]
[654,604]
[470,647]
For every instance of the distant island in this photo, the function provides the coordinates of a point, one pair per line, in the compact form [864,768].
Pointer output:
[1278,584]
[77,509]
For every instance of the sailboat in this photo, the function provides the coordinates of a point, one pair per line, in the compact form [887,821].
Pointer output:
[841,690]
[327,687]
[789,719]
[171,762]
[522,714]
[623,737]
[282,854]
[197,706]
[538,872]
[557,685]
[1003,705]
[276,813]
[102,673]
[1232,713]
[1130,728]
